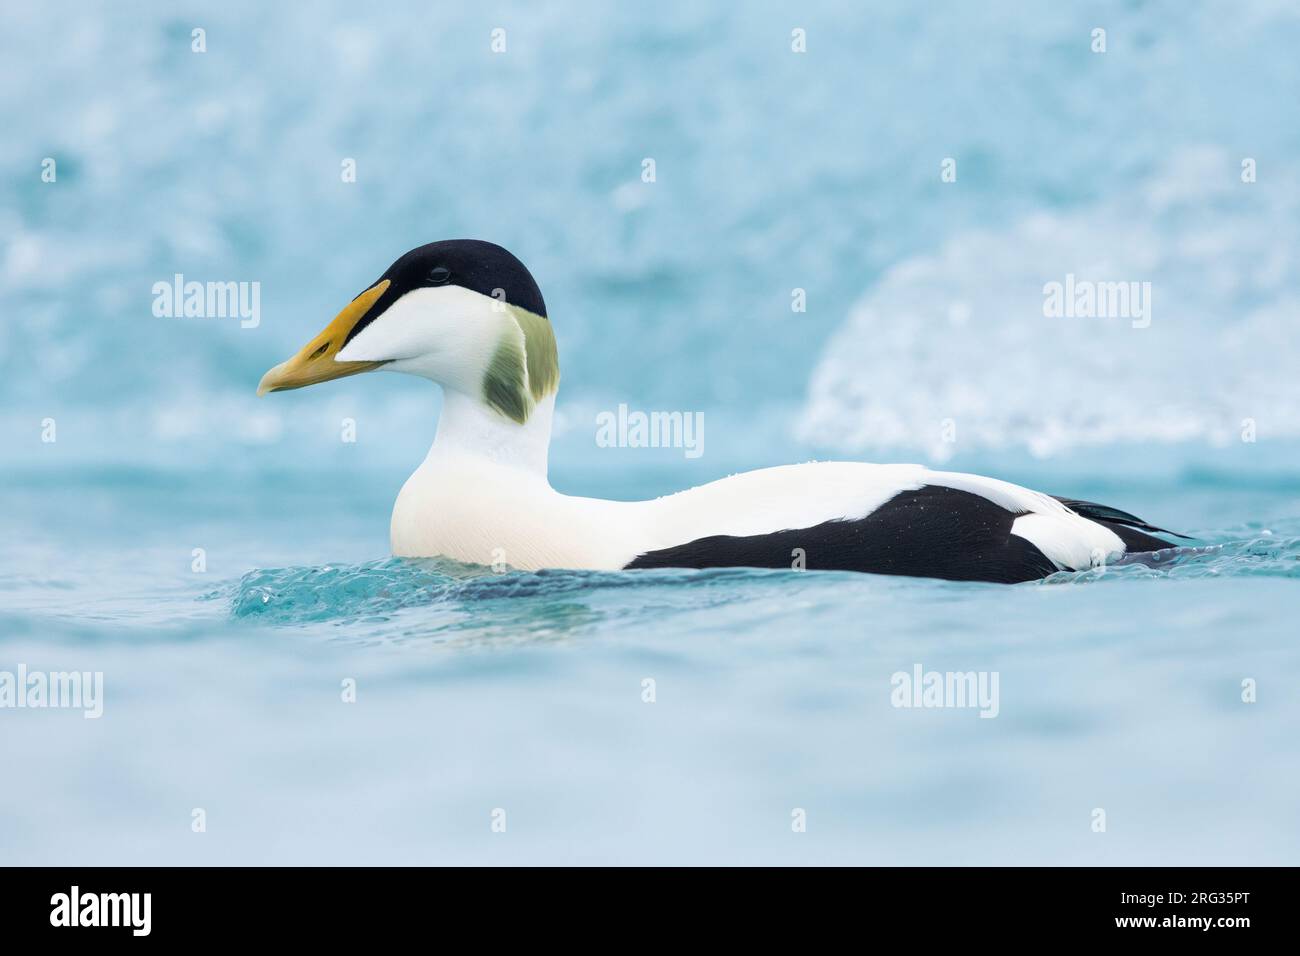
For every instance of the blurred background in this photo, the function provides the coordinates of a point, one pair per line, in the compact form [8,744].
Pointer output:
[923,338]
[774,171]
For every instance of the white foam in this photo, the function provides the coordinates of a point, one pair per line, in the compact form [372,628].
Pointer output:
[961,334]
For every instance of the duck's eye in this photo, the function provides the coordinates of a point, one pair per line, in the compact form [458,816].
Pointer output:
[439,274]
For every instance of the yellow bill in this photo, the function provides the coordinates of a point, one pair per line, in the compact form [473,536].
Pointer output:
[315,360]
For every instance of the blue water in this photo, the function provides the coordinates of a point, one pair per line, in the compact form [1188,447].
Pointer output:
[1120,689]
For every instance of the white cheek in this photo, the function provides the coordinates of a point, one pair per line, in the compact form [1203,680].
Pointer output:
[407,328]
[447,334]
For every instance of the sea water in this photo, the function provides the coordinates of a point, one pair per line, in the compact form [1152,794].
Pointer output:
[277,689]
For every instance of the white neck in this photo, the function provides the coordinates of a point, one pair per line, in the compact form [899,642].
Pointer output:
[469,428]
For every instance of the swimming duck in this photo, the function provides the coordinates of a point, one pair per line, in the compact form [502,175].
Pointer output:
[468,315]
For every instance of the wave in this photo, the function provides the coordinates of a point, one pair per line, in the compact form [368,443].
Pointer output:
[302,595]
[378,590]
[1266,556]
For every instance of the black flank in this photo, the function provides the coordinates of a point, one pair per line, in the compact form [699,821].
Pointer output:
[932,532]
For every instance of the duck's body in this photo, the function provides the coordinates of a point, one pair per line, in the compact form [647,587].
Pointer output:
[480,499]
[482,495]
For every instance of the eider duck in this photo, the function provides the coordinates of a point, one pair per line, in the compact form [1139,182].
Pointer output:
[468,315]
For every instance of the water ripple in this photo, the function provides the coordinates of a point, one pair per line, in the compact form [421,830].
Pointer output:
[379,589]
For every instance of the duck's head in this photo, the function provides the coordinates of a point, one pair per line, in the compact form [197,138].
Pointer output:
[462,312]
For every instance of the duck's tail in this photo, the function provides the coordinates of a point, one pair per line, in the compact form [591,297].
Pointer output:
[1130,528]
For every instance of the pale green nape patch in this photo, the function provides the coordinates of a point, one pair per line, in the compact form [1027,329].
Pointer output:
[504,381]
[525,367]
[541,353]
